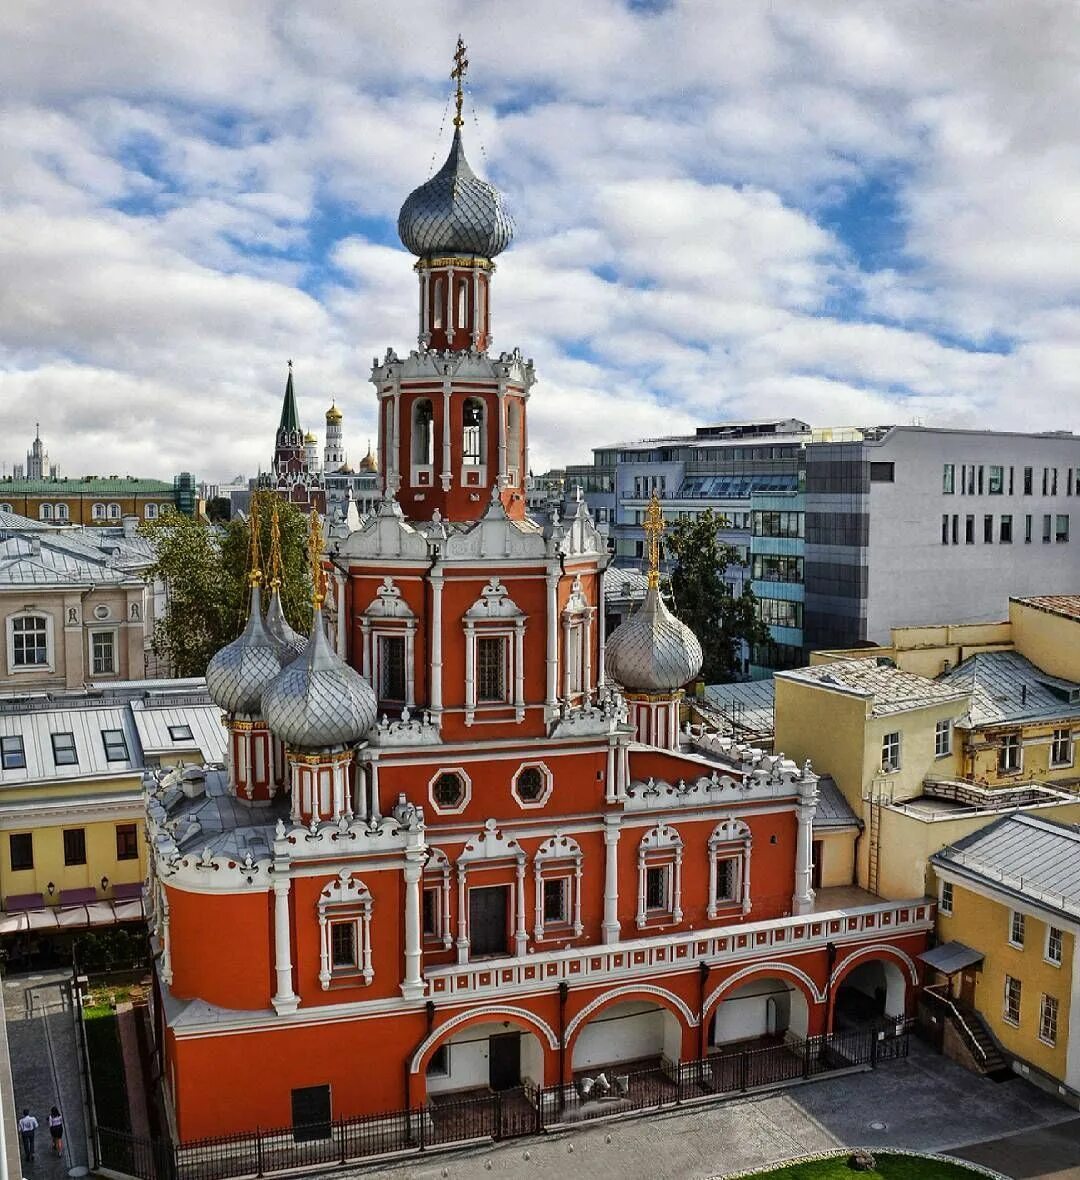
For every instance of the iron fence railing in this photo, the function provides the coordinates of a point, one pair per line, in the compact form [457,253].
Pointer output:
[505,1114]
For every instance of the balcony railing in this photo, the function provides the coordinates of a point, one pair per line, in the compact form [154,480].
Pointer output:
[644,957]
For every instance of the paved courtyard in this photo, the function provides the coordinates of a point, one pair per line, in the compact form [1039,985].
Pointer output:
[924,1102]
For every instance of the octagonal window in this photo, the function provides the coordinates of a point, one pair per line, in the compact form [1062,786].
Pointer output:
[532,785]
[448,790]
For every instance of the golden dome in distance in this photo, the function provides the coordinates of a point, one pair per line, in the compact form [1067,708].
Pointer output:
[310,438]
[369,462]
[333,414]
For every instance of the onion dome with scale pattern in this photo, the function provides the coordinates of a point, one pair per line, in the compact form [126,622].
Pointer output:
[455,212]
[288,642]
[239,673]
[652,651]
[318,701]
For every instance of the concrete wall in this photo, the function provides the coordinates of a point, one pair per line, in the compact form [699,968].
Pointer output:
[744,1013]
[1051,642]
[626,1032]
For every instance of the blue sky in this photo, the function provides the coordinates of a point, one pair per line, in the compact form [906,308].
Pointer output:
[855,213]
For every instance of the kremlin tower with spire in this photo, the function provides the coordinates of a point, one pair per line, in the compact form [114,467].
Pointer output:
[465,842]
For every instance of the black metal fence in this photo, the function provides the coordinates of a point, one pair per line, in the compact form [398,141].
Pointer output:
[505,1114]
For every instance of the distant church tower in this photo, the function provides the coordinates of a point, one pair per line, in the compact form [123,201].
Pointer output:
[334,451]
[295,473]
[37,459]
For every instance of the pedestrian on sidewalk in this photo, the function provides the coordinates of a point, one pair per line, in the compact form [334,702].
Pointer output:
[56,1130]
[27,1126]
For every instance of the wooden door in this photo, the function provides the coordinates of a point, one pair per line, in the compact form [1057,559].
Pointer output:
[311,1113]
[967,988]
[488,914]
[504,1061]
[817,857]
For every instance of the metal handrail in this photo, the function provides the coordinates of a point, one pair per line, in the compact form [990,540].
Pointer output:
[947,1001]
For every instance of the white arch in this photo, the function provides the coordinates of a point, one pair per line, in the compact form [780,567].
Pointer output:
[629,990]
[441,1030]
[763,969]
[877,949]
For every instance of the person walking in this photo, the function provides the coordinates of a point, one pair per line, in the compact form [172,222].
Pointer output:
[27,1126]
[56,1130]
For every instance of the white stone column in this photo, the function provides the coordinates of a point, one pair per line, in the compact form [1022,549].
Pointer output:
[519,669]
[436,578]
[566,658]
[586,656]
[501,403]
[376,811]
[166,941]
[803,900]
[521,939]
[285,999]
[552,641]
[601,626]
[463,916]
[412,987]
[447,475]
[611,930]
[470,671]
[609,785]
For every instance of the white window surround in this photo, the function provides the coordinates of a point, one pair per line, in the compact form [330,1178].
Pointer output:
[558,858]
[577,621]
[946,897]
[1053,948]
[491,849]
[114,512]
[437,876]
[346,899]
[150,511]
[388,614]
[1009,1015]
[890,752]
[45,512]
[495,614]
[50,648]
[730,840]
[1061,748]
[466,794]
[115,635]
[660,847]
[1011,754]
[545,794]
[943,739]
[1048,1019]
[98,512]
[1017,929]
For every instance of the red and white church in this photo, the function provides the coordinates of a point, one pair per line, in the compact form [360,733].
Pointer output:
[463,840]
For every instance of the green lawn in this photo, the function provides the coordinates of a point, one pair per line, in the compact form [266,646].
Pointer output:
[891,1167]
[106,1068]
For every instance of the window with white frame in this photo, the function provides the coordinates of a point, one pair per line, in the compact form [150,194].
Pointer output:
[388,627]
[1010,754]
[345,932]
[660,856]
[151,511]
[557,882]
[943,738]
[45,512]
[1048,1020]
[6,508]
[1012,999]
[435,915]
[391,663]
[890,752]
[1055,940]
[531,785]
[61,512]
[472,432]
[945,898]
[450,790]
[1016,929]
[577,618]
[114,512]
[98,512]
[29,641]
[494,653]
[103,652]
[1061,748]
[729,867]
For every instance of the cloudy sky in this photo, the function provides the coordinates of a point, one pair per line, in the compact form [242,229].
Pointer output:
[844,212]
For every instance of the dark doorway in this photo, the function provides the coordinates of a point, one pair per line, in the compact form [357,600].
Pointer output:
[817,855]
[488,910]
[967,988]
[311,1113]
[504,1061]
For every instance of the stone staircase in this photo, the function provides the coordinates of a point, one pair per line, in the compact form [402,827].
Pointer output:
[982,1048]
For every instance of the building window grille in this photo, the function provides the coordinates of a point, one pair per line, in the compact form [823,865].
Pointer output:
[948,479]
[942,739]
[556,896]
[448,790]
[946,901]
[1061,748]
[1028,479]
[530,784]
[30,641]
[1017,924]
[392,668]
[21,848]
[890,752]
[343,945]
[115,745]
[127,842]
[1048,1020]
[64,751]
[1010,754]
[1054,945]
[12,752]
[103,652]
[74,846]
[1012,1000]
[656,888]
[473,430]
[996,481]
[491,668]
[1005,531]
[727,880]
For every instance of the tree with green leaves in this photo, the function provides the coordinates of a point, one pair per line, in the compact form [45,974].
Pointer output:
[205,573]
[723,622]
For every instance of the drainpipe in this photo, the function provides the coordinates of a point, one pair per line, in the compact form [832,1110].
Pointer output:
[830,950]
[564,992]
[429,1009]
[703,978]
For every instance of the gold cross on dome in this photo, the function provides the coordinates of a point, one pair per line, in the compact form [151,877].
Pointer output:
[254,555]
[654,530]
[461,67]
[315,549]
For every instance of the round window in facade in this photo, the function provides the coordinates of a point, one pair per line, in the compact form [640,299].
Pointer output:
[532,785]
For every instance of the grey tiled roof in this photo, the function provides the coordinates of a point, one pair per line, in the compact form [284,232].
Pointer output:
[1024,854]
[833,810]
[750,705]
[652,651]
[890,689]
[455,212]
[1006,686]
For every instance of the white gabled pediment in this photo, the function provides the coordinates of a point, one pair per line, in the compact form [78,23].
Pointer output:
[385,534]
[388,603]
[494,603]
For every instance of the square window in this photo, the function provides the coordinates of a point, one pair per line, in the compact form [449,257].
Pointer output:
[127,842]
[555,901]
[103,651]
[882,472]
[391,668]
[74,846]
[64,752]
[343,945]
[1048,1020]
[1061,748]
[1016,929]
[890,752]
[1012,1000]
[21,847]
[180,733]
[656,888]
[1054,943]
[942,739]
[491,667]
[946,903]
[115,745]
[12,752]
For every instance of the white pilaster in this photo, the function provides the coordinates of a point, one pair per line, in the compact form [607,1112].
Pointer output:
[601,628]
[413,986]
[552,641]
[285,1000]
[521,939]
[611,931]
[803,900]
[446,474]
[436,579]
[463,916]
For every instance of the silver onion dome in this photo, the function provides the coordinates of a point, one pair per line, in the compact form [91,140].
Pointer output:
[286,640]
[652,651]
[238,674]
[318,701]
[455,212]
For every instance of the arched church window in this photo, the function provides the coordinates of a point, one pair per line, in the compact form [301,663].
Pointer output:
[423,432]
[513,437]
[437,302]
[462,303]
[45,512]
[472,431]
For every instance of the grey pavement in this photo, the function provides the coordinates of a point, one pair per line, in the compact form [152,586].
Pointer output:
[924,1103]
[45,1067]
[1045,1153]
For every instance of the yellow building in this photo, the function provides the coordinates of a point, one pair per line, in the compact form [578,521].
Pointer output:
[72,810]
[1008,919]
[88,500]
